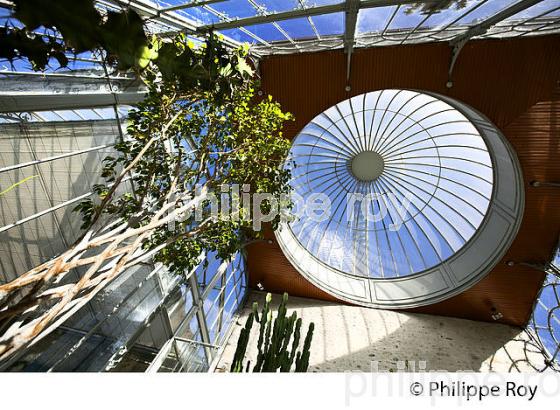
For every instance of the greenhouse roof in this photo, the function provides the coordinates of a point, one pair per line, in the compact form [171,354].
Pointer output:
[286,26]
[293,26]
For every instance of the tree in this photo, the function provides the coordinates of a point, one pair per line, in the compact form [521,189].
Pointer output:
[200,127]
[47,30]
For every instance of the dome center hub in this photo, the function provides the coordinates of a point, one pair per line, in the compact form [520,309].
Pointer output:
[367,166]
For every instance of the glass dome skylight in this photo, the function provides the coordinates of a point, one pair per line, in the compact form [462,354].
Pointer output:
[410,180]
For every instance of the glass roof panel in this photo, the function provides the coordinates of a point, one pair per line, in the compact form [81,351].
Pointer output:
[238,35]
[278,6]
[235,8]
[329,24]
[453,14]
[316,3]
[267,32]
[17,65]
[298,28]
[200,15]
[546,8]
[399,23]
[155,27]
[374,19]
[404,19]
[486,10]
[7,20]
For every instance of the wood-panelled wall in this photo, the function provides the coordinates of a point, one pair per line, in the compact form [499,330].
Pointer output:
[514,82]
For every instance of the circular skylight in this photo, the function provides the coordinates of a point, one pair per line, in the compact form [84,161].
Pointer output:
[409,182]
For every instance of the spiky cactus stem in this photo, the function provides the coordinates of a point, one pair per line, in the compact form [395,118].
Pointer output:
[273,345]
[237,363]
[302,362]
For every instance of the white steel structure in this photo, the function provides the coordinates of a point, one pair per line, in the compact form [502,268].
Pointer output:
[291,26]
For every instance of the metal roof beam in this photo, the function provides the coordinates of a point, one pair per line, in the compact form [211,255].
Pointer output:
[306,12]
[168,18]
[46,102]
[457,43]
[269,18]
[352,8]
[30,91]
[69,74]
[189,5]
[484,25]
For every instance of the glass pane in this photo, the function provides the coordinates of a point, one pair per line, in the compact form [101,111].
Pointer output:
[374,19]
[238,35]
[235,8]
[323,2]
[546,8]
[277,6]
[488,9]
[329,24]
[298,28]
[452,13]
[200,15]
[404,19]
[267,32]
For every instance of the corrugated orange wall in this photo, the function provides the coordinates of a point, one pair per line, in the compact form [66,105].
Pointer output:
[514,82]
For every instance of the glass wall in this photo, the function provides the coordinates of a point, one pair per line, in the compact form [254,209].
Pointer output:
[56,155]
[202,315]
[544,324]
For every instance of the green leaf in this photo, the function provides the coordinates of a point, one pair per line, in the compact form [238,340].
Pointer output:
[243,67]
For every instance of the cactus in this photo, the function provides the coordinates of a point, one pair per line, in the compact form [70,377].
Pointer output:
[275,352]
[302,361]
[237,364]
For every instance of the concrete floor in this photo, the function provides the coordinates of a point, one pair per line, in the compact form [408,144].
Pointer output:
[349,338]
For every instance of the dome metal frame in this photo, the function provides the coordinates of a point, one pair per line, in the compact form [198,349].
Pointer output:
[460,271]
